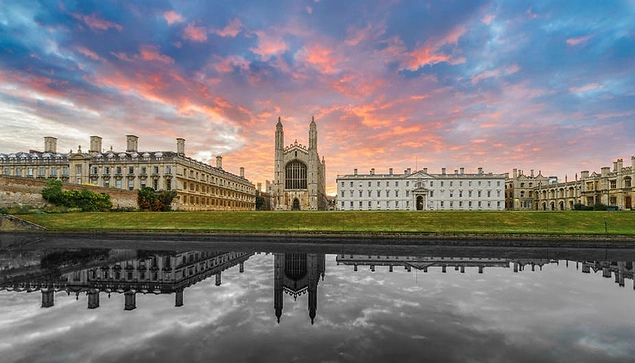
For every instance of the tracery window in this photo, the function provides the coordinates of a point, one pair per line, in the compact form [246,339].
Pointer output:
[295,175]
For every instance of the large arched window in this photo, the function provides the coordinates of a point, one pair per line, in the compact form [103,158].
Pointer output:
[295,175]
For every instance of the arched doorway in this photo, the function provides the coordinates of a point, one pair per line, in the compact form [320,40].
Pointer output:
[419,202]
[296,204]
[561,205]
[628,203]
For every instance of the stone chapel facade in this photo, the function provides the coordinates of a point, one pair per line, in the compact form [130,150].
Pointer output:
[299,175]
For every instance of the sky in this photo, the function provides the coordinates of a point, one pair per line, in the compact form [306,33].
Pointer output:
[543,85]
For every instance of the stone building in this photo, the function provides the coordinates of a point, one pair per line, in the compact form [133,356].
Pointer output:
[612,187]
[520,189]
[421,190]
[299,175]
[199,186]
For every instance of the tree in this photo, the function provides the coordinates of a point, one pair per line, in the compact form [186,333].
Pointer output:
[84,199]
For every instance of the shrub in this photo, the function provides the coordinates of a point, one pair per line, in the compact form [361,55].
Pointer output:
[150,200]
[83,199]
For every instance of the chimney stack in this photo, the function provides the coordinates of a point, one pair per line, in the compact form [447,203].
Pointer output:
[390,171]
[219,162]
[354,171]
[242,172]
[456,172]
[462,171]
[95,145]
[443,171]
[532,173]
[480,170]
[372,171]
[180,146]
[50,144]
[132,142]
[259,187]
[425,170]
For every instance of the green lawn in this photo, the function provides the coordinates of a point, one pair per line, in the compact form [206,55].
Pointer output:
[570,222]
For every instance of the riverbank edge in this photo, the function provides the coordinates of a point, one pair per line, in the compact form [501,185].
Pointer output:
[337,238]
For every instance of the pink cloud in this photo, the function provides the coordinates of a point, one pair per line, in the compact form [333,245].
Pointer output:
[269,45]
[321,58]
[96,23]
[487,19]
[89,53]
[231,30]
[195,33]
[172,17]
[226,65]
[424,56]
[585,88]
[151,52]
[578,40]
[495,73]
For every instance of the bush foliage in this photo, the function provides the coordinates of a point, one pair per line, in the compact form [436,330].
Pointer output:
[150,200]
[84,199]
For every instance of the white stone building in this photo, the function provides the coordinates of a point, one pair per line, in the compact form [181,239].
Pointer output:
[421,190]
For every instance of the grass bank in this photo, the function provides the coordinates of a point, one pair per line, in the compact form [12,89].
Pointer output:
[509,222]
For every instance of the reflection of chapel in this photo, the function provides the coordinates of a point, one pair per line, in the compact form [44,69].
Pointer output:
[296,274]
[299,175]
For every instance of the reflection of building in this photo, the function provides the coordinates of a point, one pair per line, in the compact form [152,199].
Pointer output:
[621,270]
[421,263]
[199,186]
[296,274]
[421,190]
[153,273]
[300,176]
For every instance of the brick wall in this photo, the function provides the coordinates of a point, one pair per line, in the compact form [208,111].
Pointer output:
[16,191]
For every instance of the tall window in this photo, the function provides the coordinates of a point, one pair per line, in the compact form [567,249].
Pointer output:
[295,175]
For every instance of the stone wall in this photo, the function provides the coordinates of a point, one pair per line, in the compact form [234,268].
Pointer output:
[16,191]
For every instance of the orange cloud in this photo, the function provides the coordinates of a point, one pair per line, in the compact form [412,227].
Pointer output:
[424,56]
[172,17]
[321,58]
[195,33]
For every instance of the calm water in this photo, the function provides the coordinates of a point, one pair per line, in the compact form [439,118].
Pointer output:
[211,305]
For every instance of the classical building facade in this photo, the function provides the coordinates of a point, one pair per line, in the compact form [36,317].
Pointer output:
[612,187]
[199,186]
[421,190]
[520,189]
[299,181]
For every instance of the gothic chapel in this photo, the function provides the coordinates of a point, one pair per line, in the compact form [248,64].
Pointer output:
[299,174]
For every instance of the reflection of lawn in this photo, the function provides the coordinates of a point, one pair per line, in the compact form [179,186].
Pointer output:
[372,221]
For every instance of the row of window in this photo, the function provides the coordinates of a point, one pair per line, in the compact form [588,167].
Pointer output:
[460,193]
[423,184]
[118,169]
[41,171]
[396,204]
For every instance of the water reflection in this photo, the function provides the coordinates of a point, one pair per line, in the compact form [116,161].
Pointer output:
[122,272]
[95,272]
[198,304]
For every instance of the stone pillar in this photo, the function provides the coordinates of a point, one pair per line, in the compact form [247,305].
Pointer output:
[178,300]
[180,146]
[219,162]
[50,144]
[48,298]
[132,143]
[93,298]
[95,145]
[130,300]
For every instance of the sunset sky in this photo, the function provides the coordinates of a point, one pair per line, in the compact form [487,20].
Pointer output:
[544,85]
